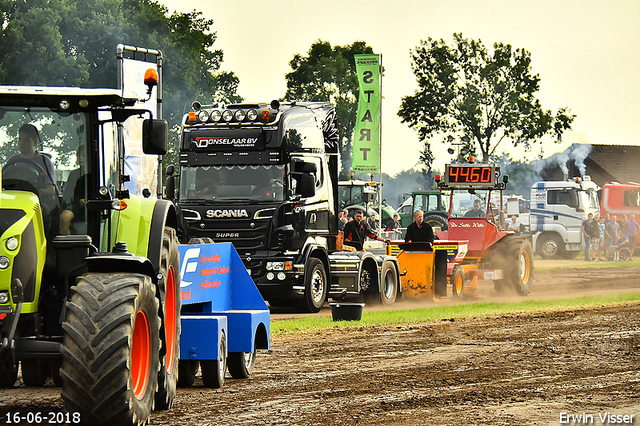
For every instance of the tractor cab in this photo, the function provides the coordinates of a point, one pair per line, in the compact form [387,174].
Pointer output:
[474,212]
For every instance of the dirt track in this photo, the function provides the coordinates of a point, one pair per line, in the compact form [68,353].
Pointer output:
[512,369]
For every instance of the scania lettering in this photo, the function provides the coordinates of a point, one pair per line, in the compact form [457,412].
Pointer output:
[227,213]
[265,178]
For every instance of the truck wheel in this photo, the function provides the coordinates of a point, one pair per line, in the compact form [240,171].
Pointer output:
[389,289]
[187,370]
[436,220]
[315,286]
[457,283]
[170,325]
[518,268]
[213,370]
[241,364]
[550,246]
[34,372]
[8,370]
[111,341]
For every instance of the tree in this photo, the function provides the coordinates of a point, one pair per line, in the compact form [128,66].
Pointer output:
[329,74]
[73,43]
[466,91]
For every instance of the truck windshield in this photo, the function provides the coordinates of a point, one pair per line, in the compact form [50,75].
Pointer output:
[45,151]
[233,183]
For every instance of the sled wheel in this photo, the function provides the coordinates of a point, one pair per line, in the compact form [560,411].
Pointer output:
[213,370]
[111,342]
[170,325]
[241,364]
[457,283]
[187,370]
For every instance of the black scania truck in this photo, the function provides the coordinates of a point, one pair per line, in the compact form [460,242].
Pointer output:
[264,177]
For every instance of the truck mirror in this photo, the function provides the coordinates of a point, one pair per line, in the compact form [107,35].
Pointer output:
[304,167]
[307,186]
[154,136]
[368,197]
[170,188]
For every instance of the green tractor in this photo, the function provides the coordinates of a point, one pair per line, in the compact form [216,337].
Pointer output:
[434,205]
[89,273]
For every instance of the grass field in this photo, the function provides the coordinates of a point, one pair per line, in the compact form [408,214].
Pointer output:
[441,313]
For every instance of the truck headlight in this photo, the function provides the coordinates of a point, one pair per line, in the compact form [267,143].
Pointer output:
[4,297]
[270,276]
[281,276]
[4,262]
[12,243]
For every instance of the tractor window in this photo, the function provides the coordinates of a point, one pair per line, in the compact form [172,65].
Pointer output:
[564,197]
[43,151]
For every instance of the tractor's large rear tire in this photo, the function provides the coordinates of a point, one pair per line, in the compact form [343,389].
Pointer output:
[514,255]
[170,326]
[110,349]
[518,267]
[315,286]
[437,221]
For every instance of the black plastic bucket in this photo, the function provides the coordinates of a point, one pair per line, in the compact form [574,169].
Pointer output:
[346,311]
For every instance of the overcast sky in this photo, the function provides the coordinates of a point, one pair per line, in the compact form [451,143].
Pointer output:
[586,52]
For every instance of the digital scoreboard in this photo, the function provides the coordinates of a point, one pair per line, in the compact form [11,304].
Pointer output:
[469,175]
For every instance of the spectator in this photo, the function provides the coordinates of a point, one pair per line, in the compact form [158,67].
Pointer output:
[373,222]
[586,234]
[599,247]
[342,220]
[610,232]
[623,223]
[356,230]
[595,236]
[632,232]
[419,231]
[393,224]
[514,225]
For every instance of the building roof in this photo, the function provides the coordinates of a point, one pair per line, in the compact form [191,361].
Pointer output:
[604,163]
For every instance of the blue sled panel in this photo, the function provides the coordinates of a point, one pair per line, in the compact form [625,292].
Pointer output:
[200,336]
[244,329]
[214,275]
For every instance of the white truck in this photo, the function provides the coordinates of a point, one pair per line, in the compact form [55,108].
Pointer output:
[558,209]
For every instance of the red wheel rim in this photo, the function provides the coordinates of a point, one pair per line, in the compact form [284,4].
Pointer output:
[140,354]
[170,318]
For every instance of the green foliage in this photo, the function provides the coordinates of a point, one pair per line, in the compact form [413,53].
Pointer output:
[73,43]
[465,90]
[329,74]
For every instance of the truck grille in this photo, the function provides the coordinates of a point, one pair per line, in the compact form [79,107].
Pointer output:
[238,232]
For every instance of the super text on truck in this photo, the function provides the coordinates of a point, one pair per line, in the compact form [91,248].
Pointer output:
[264,177]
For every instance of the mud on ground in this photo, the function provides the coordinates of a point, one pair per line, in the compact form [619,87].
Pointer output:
[504,370]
